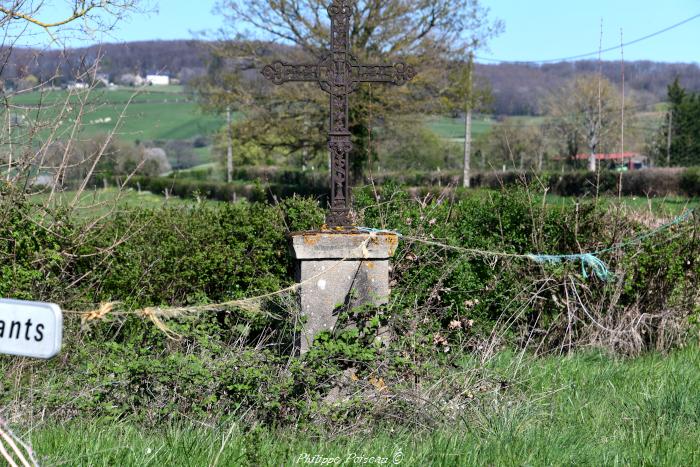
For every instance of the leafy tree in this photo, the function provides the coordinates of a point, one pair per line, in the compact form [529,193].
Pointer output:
[405,144]
[220,91]
[424,33]
[678,141]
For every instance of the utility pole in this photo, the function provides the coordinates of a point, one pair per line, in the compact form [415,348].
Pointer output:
[468,123]
[670,136]
[9,140]
[229,152]
[622,117]
[592,164]
[305,148]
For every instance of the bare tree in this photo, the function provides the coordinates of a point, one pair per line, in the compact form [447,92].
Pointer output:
[81,16]
[517,144]
[34,137]
[587,110]
[32,132]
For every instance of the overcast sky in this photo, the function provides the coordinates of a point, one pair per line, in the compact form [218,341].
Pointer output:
[535,29]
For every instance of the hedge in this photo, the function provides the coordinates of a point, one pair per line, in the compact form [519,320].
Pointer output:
[186,188]
[268,184]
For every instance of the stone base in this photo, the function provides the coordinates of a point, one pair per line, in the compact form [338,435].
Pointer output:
[331,285]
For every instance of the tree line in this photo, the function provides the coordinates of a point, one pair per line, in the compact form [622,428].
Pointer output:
[516,88]
[678,141]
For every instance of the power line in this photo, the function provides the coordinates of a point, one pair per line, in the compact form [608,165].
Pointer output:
[592,54]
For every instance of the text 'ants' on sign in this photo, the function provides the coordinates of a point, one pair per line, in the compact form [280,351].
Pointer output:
[30,329]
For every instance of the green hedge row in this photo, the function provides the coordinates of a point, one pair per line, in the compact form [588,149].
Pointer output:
[239,361]
[256,192]
[650,182]
[266,183]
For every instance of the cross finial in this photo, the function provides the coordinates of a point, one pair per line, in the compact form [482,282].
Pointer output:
[339,74]
[340,7]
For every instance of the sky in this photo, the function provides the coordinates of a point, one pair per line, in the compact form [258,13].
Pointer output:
[535,30]
[548,29]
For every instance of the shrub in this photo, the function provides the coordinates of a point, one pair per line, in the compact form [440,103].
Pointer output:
[690,182]
[649,182]
[447,306]
[33,257]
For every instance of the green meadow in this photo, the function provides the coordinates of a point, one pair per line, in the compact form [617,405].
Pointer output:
[152,113]
[581,409]
[453,128]
[96,203]
[166,113]
[169,113]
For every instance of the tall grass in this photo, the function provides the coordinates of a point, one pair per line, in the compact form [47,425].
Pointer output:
[584,409]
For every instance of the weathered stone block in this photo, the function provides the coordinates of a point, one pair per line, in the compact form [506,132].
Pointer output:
[340,271]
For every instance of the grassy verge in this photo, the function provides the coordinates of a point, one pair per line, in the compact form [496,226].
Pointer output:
[95,203]
[98,202]
[586,409]
[659,207]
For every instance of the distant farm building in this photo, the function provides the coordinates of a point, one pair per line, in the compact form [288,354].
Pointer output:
[623,160]
[77,85]
[158,80]
[619,160]
[130,79]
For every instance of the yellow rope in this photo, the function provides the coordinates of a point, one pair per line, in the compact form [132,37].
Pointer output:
[157,314]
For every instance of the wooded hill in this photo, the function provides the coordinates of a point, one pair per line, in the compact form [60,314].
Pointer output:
[518,89]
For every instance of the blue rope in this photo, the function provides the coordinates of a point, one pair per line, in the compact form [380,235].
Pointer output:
[619,246]
[589,261]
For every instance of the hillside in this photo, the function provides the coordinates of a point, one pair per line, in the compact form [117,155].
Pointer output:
[518,89]
[154,113]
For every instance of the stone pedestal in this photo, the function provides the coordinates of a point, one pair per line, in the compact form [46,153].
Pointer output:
[330,285]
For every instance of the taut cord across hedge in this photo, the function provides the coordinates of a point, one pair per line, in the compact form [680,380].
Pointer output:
[589,262]
[156,314]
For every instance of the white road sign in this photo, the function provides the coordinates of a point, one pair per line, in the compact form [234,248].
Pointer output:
[30,329]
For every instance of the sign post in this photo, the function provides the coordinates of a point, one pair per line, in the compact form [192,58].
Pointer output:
[30,329]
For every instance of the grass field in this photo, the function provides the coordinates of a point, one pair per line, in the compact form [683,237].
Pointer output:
[167,113]
[453,128]
[660,207]
[95,203]
[153,113]
[585,409]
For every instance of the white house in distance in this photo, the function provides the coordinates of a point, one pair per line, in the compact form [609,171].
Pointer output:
[76,85]
[158,80]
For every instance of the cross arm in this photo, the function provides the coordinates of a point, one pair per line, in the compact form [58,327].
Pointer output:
[280,72]
[398,73]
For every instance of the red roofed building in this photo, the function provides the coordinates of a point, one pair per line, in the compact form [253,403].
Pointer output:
[626,160]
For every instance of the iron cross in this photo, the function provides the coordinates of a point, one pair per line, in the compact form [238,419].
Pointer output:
[339,74]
